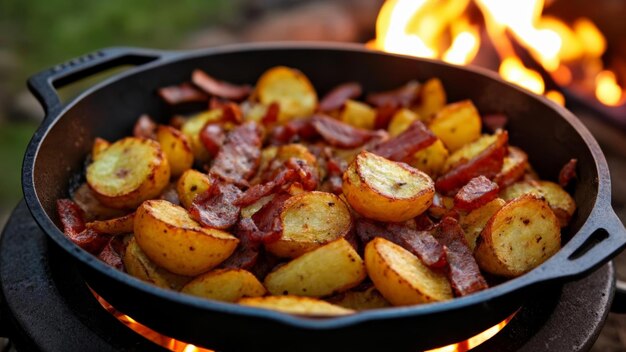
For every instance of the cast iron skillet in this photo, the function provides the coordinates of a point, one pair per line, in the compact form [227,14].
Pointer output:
[548,133]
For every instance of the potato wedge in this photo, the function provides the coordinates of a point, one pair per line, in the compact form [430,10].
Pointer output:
[177,149]
[310,220]
[329,269]
[128,172]
[457,124]
[299,151]
[400,121]
[562,204]
[360,300]
[520,236]
[251,209]
[401,277]
[140,266]
[228,285]
[116,226]
[99,145]
[474,222]
[296,305]
[431,159]
[358,114]
[432,99]
[192,127]
[290,88]
[469,151]
[170,238]
[385,190]
[190,184]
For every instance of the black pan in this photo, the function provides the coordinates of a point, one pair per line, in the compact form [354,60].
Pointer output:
[550,135]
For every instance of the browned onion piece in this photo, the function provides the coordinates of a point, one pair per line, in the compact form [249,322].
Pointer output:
[214,208]
[568,172]
[239,156]
[339,134]
[463,273]
[477,192]
[403,96]
[219,88]
[145,127]
[338,96]
[182,93]
[407,143]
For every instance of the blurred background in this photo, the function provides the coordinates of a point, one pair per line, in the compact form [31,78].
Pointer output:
[37,34]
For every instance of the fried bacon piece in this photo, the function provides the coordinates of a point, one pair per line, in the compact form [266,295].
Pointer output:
[238,158]
[488,163]
[339,134]
[494,122]
[212,137]
[271,114]
[307,176]
[407,143]
[231,112]
[568,172]
[463,273]
[182,93]
[247,253]
[220,88]
[292,131]
[74,228]
[335,169]
[384,114]
[403,96]
[215,208]
[513,168]
[338,96]
[477,192]
[267,219]
[145,127]
[111,253]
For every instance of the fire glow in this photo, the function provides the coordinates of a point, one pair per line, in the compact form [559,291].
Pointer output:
[444,30]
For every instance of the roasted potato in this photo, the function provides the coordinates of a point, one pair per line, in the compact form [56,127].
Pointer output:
[441,206]
[358,114]
[457,124]
[474,222]
[309,220]
[401,277]
[385,190]
[298,151]
[227,285]
[251,209]
[329,269]
[128,172]
[192,127]
[99,145]
[469,151]
[177,149]
[173,240]
[562,204]
[360,300]
[92,207]
[190,184]
[296,305]
[521,235]
[431,159]
[116,226]
[290,88]
[432,99]
[140,266]
[400,121]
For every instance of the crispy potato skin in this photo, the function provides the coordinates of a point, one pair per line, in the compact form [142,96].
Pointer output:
[296,305]
[358,114]
[520,236]
[310,220]
[385,190]
[474,222]
[173,240]
[228,285]
[190,184]
[290,88]
[99,145]
[329,269]
[360,300]
[140,266]
[432,99]
[116,226]
[401,277]
[177,149]
[128,172]
[562,204]
[457,124]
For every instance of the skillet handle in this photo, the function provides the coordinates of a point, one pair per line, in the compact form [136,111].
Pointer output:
[43,85]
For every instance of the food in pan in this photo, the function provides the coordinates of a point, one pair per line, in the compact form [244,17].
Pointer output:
[278,198]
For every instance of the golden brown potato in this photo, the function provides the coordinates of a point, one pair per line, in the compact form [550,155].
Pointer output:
[173,240]
[441,206]
[432,99]
[299,151]
[329,269]
[116,226]
[251,209]
[99,145]
[457,124]
[290,88]
[474,222]
[562,204]
[296,305]
[138,265]
[227,285]
[360,300]
[309,220]
[385,190]
[128,172]
[431,159]
[192,127]
[401,277]
[358,114]
[190,184]
[177,149]
[520,236]
[400,121]
[469,151]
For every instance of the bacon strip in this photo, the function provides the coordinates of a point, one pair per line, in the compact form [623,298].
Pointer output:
[212,137]
[463,273]
[256,192]
[220,88]
[338,96]
[403,96]
[339,134]
[292,131]
[239,156]
[72,219]
[247,253]
[568,172]
[112,255]
[182,93]
[215,208]
[384,114]
[487,163]
[231,112]
[513,168]
[145,127]
[271,114]
[407,143]
[420,243]
[477,192]
[267,218]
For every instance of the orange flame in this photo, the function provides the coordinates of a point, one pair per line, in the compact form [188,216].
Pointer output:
[442,29]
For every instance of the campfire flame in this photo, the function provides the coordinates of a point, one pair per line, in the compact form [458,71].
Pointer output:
[444,30]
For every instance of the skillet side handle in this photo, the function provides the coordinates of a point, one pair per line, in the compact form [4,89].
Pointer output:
[43,85]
